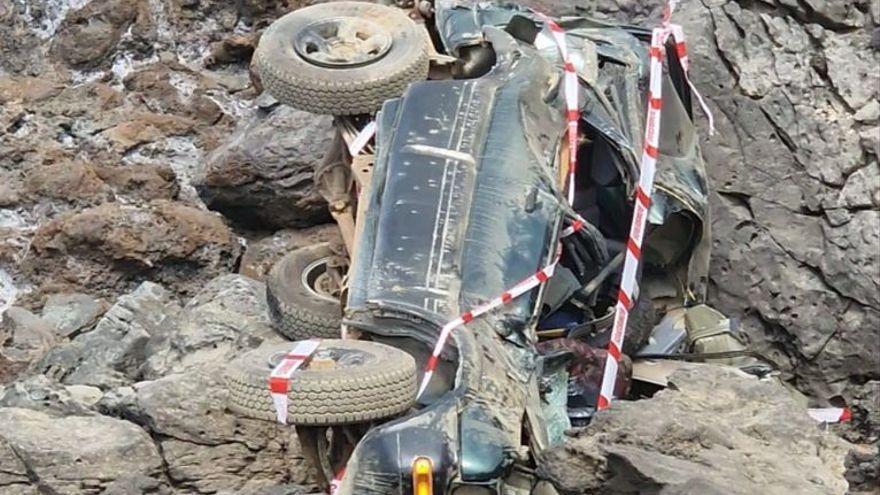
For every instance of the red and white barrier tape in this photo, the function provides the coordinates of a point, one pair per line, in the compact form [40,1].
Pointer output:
[643,196]
[681,49]
[363,137]
[640,215]
[336,481]
[279,379]
[830,414]
[571,89]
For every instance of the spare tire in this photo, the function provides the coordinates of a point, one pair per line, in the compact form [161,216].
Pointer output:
[343,382]
[341,58]
[298,305]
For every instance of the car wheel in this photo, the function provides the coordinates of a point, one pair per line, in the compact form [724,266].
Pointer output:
[343,382]
[642,319]
[341,58]
[302,294]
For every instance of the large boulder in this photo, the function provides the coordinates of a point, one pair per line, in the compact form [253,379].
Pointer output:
[206,449]
[115,352]
[262,176]
[72,455]
[714,430]
[228,316]
[110,248]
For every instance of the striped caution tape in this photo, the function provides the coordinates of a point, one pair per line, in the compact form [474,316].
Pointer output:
[279,379]
[336,481]
[639,218]
[570,90]
[363,137]
[830,414]
[644,188]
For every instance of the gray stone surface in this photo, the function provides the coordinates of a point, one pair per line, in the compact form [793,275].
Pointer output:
[73,454]
[714,430]
[262,175]
[205,448]
[72,313]
[229,315]
[115,351]
[39,393]
[24,336]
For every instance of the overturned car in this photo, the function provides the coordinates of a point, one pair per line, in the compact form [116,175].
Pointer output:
[459,197]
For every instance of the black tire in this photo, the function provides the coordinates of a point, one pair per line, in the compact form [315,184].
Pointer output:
[642,319]
[348,90]
[298,311]
[380,383]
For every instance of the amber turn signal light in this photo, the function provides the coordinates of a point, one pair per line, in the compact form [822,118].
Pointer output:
[423,476]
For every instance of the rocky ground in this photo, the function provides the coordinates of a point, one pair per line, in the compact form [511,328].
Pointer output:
[146,186]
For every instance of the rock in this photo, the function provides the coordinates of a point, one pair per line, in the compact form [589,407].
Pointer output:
[146,127]
[73,182]
[170,87]
[88,36]
[8,195]
[234,49]
[39,393]
[714,430]
[24,337]
[262,176]
[84,394]
[143,181]
[71,313]
[137,483]
[227,317]
[868,113]
[114,353]
[109,248]
[75,454]
[262,254]
[205,448]
[865,407]
[863,469]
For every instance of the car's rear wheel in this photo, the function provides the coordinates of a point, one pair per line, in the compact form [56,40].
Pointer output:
[341,58]
[303,294]
[343,382]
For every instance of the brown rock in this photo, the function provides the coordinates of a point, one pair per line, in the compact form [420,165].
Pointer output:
[234,49]
[108,249]
[145,128]
[28,89]
[67,181]
[146,182]
[89,35]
